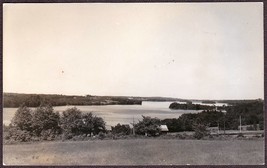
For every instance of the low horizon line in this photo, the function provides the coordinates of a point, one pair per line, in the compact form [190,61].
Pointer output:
[131,96]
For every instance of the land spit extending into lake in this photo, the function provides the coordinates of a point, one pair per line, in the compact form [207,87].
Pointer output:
[34,100]
[137,152]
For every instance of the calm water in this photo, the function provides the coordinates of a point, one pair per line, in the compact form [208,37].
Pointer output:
[113,114]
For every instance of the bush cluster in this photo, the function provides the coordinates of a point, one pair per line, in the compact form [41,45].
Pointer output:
[123,129]
[45,124]
[148,126]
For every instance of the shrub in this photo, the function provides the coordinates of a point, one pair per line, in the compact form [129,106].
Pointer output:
[79,137]
[240,135]
[49,134]
[101,135]
[200,131]
[66,136]
[16,134]
[180,136]
[121,129]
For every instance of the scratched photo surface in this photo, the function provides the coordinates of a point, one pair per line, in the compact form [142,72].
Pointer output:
[133,84]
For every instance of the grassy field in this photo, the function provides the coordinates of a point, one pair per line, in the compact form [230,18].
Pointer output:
[137,152]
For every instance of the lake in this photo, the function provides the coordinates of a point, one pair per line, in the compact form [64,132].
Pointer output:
[114,114]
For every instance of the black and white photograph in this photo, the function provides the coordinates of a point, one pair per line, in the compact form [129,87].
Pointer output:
[133,84]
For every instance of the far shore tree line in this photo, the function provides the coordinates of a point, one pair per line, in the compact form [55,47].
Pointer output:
[226,117]
[44,123]
[35,100]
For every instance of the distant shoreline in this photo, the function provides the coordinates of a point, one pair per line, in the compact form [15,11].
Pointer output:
[34,100]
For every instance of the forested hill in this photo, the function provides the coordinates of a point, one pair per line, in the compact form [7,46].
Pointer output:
[34,100]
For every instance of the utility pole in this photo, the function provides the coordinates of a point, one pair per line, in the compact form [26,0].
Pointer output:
[218,127]
[240,124]
[133,126]
[224,124]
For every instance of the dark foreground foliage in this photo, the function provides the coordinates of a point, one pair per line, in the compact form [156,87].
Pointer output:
[45,124]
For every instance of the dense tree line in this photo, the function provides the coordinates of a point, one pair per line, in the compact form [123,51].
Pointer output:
[45,124]
[186,122]
[235,102]
[251,113]
[35,100]
[190,106]
[208,102]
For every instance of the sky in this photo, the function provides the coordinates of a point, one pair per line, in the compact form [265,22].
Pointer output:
[182,50]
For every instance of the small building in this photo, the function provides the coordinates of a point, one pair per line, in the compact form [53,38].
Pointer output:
[163,129]
[213,130]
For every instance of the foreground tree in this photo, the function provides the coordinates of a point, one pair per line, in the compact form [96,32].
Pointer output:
[73,123]
[22,119]
[88,123]
[92,124]
[45,121]
[173,124]
[20,128]
[148,126]
[98,125]
[186,121]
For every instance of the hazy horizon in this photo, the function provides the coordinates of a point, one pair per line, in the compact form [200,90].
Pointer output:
[128,96]
[180,50]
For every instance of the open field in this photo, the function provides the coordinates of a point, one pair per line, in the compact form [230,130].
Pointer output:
[137,152]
